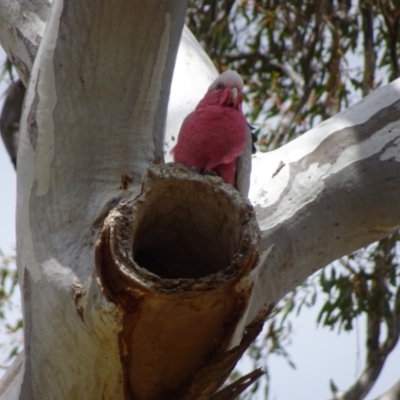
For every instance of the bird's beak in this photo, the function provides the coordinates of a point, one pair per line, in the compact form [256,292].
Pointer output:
[234,93]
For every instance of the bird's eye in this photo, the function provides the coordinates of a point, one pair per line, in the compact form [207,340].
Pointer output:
[220,86]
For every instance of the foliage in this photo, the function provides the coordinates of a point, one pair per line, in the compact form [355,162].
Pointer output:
[10,313]
[303,62]
[7,71]
[371,289]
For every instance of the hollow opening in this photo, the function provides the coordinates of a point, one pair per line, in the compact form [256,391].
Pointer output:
[186,230]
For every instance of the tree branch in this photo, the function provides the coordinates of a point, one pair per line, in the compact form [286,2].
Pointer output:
[378,309]
[369,53]
[391,16]
[392,394]
[274,65]
[393,325]
[10,119]
[332,178]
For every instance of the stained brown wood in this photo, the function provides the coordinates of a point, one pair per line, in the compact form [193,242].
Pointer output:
[176,260]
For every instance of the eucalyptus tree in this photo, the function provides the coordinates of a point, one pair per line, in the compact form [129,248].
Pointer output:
[144,280]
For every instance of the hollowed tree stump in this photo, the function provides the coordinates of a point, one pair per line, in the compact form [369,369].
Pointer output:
[177,259]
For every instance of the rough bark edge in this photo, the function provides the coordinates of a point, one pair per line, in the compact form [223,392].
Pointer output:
[120,235]
[209,379]
[137,290]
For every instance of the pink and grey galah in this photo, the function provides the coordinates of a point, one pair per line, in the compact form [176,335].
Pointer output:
[216,136]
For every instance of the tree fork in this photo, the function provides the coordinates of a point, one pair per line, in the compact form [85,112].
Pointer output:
[178,260]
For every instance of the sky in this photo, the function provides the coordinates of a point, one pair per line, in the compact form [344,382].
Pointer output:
[318,353]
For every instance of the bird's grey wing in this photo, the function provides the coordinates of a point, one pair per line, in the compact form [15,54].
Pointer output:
[10,117]
[244,163]
[186,118]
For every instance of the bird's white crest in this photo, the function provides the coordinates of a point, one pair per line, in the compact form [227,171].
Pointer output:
[230,79]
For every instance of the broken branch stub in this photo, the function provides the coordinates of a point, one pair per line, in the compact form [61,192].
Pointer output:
[177,260]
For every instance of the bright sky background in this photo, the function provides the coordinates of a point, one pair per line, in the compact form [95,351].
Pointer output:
[319,354]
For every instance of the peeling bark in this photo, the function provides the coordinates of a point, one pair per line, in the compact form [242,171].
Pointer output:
[22,25]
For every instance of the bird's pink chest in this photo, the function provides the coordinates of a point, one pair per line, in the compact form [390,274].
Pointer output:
[219,133]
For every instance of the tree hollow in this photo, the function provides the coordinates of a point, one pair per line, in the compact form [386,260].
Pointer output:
[186,231]
[177,260]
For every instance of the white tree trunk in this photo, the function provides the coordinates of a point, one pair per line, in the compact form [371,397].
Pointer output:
[95,112]
[93,122]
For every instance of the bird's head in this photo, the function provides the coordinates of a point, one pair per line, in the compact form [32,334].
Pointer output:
[226,90]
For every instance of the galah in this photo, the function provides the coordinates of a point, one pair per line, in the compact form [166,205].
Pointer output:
[216,136]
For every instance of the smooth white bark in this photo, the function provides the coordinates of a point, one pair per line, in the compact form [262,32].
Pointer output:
[21,28]
[94,113]
[327,193]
